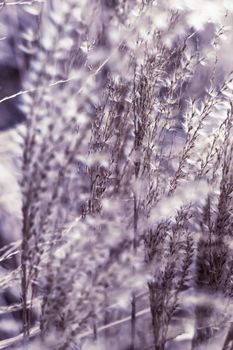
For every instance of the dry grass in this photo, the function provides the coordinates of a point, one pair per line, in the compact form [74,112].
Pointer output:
[125,176]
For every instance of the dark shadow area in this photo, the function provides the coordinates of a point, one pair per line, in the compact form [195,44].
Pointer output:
[10,84]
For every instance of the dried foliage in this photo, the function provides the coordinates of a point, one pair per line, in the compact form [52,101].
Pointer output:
[125,176]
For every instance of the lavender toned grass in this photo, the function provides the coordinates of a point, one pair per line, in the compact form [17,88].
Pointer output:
[117,175]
